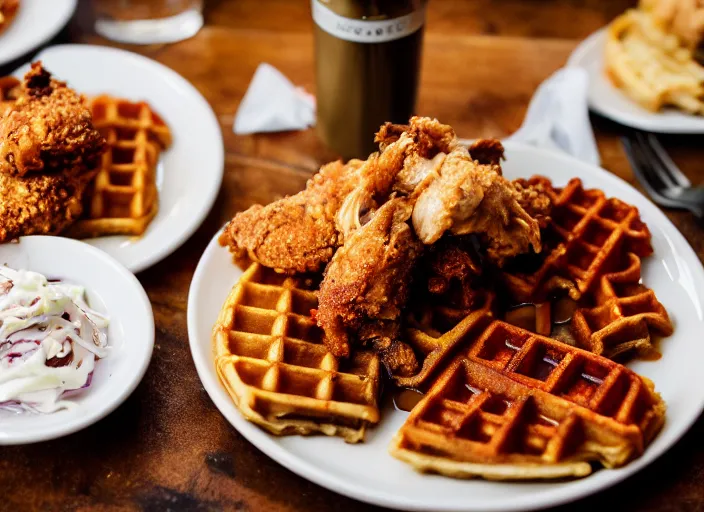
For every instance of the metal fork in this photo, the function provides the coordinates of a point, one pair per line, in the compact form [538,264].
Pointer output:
[659,175]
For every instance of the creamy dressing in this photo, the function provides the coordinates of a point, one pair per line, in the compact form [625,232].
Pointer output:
[50,340]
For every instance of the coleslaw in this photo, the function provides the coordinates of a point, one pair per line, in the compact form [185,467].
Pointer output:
[50,340]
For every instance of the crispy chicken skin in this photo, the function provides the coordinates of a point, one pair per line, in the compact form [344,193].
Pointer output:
[48,129]
[38,204]
[535,199]
[49,149]
[297,233]
[366,286]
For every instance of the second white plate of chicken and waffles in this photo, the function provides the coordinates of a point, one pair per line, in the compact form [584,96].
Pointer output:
[366,471]
[189,172]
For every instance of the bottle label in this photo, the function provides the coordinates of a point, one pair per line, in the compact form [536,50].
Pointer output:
[363,31]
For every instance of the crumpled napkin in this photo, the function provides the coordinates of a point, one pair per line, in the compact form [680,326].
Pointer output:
[273,104]
[558,116]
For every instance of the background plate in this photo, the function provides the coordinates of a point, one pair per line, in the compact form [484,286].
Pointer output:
[368,473]
[35,23]
[611,102]
[191,169]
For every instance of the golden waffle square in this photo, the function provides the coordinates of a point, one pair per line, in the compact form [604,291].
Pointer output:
[270,356]
[123,198]
[621,314]
[514,406]
[586,234]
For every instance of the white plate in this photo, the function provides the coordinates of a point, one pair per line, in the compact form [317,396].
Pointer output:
[609,101]
[368,473]
[190,171]
[35,23]
[112,290]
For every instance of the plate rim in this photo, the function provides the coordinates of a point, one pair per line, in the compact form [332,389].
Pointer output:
[580,58]
[171,245]
[552,497]
[139,293]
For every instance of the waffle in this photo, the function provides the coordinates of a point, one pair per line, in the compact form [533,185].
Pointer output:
[434,330]
[621,316]
[587,232]
[593,247]
[514,405]
[270,357]
[123,199]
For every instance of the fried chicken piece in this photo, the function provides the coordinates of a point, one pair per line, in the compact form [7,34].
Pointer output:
[463,197]
[535,198]
[39,204]
[366,286]
[300,233]
[407,153]
[297,233]
[48,129]
[49,151]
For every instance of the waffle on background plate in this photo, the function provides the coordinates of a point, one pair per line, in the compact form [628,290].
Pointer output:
[502,401]
[123,197]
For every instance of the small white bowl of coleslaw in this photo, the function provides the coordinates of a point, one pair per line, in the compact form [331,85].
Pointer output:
[76,337]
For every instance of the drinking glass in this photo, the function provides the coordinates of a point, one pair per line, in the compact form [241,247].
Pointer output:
[148,21]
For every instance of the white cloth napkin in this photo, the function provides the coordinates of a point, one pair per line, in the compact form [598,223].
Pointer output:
[558,116]
[273,104]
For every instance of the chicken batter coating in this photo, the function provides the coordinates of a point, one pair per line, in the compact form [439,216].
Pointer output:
[48,129]
[366,287]
[38,204]
[49,150]
[297,233]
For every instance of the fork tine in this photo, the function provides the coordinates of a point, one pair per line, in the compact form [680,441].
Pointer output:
[650,182]
[653,160]
[667,162]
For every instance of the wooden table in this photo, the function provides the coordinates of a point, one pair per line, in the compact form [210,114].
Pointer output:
[167,447]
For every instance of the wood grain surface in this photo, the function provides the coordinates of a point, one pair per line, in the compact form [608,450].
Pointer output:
[167,447]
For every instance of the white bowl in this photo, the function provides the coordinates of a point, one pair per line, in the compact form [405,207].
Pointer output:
[111,289]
